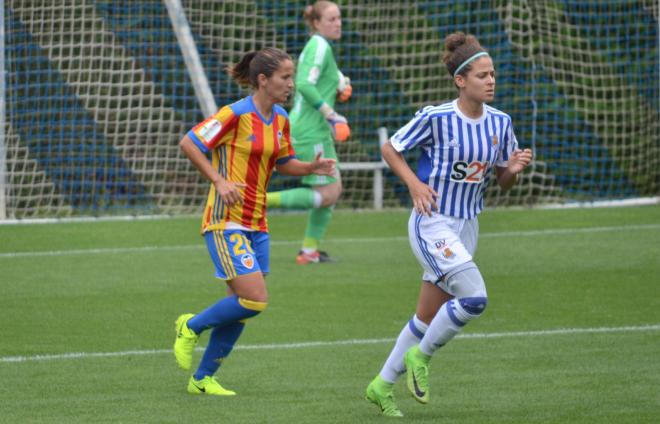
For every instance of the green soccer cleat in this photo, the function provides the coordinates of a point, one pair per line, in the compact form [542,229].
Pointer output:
[417,364]
[381,393]
[208,386]
[185,342]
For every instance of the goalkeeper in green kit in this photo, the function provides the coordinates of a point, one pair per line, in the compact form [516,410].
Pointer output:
[315,126]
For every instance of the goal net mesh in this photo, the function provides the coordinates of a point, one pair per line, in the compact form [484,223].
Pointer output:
[98,94]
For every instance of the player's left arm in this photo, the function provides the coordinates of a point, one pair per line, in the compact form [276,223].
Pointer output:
[287,164]
[319,166]
[518,161]
[512,159]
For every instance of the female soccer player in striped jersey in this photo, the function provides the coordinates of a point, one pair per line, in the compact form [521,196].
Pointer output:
[315,126]
[463,143]
[247,140]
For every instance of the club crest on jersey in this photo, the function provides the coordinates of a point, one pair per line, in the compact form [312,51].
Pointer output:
[314,74]
[279,135]
[452,143]
[248,261]
[252,138]
[494,138]
[447,253]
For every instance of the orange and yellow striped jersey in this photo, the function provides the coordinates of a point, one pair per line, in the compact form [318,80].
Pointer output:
[244,148]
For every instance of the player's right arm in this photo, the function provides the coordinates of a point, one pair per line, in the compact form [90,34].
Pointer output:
[423,196]
[414,133]
[204,137]
[229,191]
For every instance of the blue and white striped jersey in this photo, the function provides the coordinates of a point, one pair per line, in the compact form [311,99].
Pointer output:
[457,153]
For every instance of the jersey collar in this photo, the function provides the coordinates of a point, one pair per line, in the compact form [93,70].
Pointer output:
[465,117]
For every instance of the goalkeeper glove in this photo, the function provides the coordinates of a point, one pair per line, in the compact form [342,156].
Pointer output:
[344,89]
[338,124]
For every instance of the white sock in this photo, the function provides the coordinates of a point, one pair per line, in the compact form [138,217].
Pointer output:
[447,323]
[318,199]
[410,335]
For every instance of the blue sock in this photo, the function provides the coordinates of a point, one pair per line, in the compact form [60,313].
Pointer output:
[227,311]
[221,342]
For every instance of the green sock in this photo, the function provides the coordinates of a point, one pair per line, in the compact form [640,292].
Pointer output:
[317,222]
[296,198]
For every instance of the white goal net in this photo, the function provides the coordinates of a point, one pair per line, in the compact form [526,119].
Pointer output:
[97,95]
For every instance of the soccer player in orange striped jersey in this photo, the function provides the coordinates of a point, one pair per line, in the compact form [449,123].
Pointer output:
[247,141]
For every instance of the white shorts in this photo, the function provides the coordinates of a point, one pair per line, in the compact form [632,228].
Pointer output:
[441,243]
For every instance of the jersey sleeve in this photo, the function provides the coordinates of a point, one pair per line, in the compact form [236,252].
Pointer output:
[209,133]
[508,145]
[310,65]
[414,133]
[286,151]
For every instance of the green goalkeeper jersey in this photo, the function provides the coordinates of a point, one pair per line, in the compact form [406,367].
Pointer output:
[317,79]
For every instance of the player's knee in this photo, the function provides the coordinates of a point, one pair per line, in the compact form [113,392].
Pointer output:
[465,309]
[330,194]
[466,282]
[474,306]
[255,307]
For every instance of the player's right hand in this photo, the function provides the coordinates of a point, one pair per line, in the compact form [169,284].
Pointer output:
[339,126]
[424,198]
[230,191]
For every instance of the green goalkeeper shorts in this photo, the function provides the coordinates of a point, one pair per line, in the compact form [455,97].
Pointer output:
[307,151]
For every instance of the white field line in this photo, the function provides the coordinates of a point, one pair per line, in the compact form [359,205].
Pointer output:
[529,233]
[638,201]
[350,342]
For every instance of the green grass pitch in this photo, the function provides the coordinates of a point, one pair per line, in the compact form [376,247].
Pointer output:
[571,333]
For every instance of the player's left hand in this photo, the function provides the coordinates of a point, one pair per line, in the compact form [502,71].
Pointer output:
[519,160]
[344,95]
[323,166]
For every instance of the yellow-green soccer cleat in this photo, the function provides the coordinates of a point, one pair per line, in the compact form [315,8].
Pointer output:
[381,393]
[185,342]
[417,364]
[208,386]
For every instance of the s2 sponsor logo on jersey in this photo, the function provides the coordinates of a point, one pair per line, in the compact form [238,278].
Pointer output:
[464,172]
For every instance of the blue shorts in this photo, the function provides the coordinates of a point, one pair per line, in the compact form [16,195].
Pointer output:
[238,252]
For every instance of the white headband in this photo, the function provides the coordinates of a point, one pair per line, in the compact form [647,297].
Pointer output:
[470,59]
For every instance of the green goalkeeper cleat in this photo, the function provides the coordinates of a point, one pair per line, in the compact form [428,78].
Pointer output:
[381,393]
[208,386]
[417,364]
[185,342]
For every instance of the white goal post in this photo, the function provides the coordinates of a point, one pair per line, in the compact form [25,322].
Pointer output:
[376,167]
[191,57]
[3,98]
